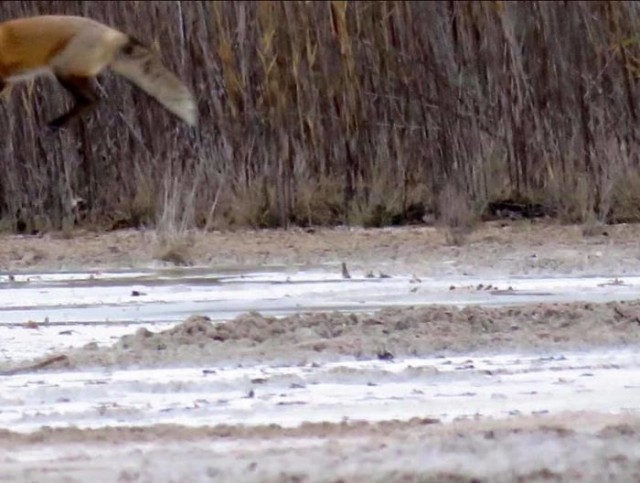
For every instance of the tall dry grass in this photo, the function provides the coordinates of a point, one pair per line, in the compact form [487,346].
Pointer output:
[341,112]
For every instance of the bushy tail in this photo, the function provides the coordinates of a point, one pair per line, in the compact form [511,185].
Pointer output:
[140,65]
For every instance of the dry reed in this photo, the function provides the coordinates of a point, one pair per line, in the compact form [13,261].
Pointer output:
[341,112]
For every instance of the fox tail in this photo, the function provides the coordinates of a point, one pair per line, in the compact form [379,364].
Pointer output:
[143,67]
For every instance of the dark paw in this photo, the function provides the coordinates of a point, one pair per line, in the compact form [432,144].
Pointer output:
[52,128]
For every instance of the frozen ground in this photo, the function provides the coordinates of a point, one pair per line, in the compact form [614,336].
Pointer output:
[443,389]
[511,358]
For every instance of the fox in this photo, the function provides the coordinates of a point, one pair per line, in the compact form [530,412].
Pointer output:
[75,50]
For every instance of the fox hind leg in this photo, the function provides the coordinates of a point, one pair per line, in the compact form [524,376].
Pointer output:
[84,96]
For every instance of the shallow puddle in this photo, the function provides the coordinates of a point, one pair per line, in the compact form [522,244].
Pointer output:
[73,309]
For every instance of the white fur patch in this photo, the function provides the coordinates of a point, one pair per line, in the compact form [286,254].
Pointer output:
[29,74]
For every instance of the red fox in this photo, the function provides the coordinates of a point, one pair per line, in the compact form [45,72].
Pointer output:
[75,50]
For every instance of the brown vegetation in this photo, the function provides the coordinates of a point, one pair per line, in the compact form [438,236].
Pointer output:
[336,112]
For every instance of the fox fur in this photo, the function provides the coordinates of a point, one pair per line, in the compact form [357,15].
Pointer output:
[77,49]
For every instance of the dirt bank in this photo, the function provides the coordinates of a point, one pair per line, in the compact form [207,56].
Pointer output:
[395,332]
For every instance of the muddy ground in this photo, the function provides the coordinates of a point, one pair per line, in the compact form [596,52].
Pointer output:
[519,248]
[565,447]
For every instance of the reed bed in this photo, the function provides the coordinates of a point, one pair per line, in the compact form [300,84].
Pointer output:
[326,113]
